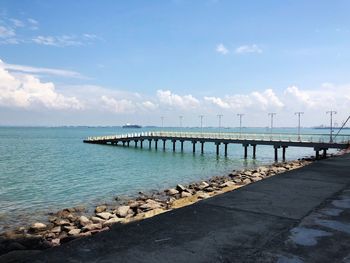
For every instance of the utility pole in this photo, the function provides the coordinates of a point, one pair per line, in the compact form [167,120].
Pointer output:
[181,117]
[162,118]
[331,112]
[271,114]
[201,117]
[220,116]
[240,123]
[299,113]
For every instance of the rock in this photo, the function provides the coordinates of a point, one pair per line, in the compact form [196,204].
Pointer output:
[97,220]
[246,181]
[248,173]
[74,232]
[237,180]
[255,179]
[55,242]
[68,228]
[180,188]
[62,222]
[56,229]
[37,227]
[149,205]
[203,185]
[83,221]
[281,169]
[112,221]
[172,191]
[92,227]
[228,184]
[185,194]
[209,189]
[100,209]
[133,204]
[256,175]
[122,211]
[203,195]
[105,215]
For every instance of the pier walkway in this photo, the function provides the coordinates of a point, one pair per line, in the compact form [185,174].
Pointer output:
[318,142]
[302,215]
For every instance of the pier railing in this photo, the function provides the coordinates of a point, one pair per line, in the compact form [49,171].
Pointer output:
[322,138]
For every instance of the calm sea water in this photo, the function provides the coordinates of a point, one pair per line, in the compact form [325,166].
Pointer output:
[46,169]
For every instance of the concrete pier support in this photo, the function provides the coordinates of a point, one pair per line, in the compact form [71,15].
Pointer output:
[217,148]
[135,141]
[128,143]
[194,146]
[245,150]
[164,144]
[149,143]
[317,153]
[202,147]
[141,144]
[254,151]
[156,144]
[182,145]
[284,152]
[225,149]
[123,143]
[174,145]
[324,155]
[276,152]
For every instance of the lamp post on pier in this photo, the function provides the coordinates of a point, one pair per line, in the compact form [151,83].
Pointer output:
[299,113]
[201,117]
[180,118]
[220,116]
[271,114]
[331,112]
[240,123]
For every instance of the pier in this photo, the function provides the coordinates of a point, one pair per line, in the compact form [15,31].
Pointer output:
[320,143]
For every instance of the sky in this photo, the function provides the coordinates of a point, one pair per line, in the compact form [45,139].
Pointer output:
[115,62]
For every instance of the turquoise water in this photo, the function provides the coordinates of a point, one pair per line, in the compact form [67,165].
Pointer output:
[46,169]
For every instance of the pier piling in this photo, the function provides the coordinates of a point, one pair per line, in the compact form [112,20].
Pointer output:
[254,151]
[225,149]
[174,145]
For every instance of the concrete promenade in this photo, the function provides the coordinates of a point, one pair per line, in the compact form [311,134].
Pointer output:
[299,216]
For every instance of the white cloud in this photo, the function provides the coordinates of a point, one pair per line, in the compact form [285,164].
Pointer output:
[17,23]
[38,70]
[267,99]
[6,32]
[118,106]
[248,49]
[65,40]
[220,48]
[149,105]
[26,91]
[167,98]
[33,24]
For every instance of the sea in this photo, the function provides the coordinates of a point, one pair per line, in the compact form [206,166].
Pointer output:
[44,169]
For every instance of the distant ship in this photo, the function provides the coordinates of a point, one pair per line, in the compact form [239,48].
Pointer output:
[128,125]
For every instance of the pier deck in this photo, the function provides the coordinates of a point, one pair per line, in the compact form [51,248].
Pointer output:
[318,142]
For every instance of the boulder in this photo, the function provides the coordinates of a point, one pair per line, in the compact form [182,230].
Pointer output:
[97,220]
[133,204]
[56,229]
[180,188]
[37,227]
[112,221]
[74,232]
[101,208]
[246,181]
[105,215]
[62,222]
[256,175]
[149,205]
[92,227]
[185,194]
[203,185]
[228,184]
[172,191]
[203,195]
[122,211]
[248,173]
[83,221]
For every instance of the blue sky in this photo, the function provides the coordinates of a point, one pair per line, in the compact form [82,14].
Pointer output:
[111,62]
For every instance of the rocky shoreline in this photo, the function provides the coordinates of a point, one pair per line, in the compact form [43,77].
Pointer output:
[72,223]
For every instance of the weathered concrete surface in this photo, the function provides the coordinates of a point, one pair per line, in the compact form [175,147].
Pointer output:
[299,216]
